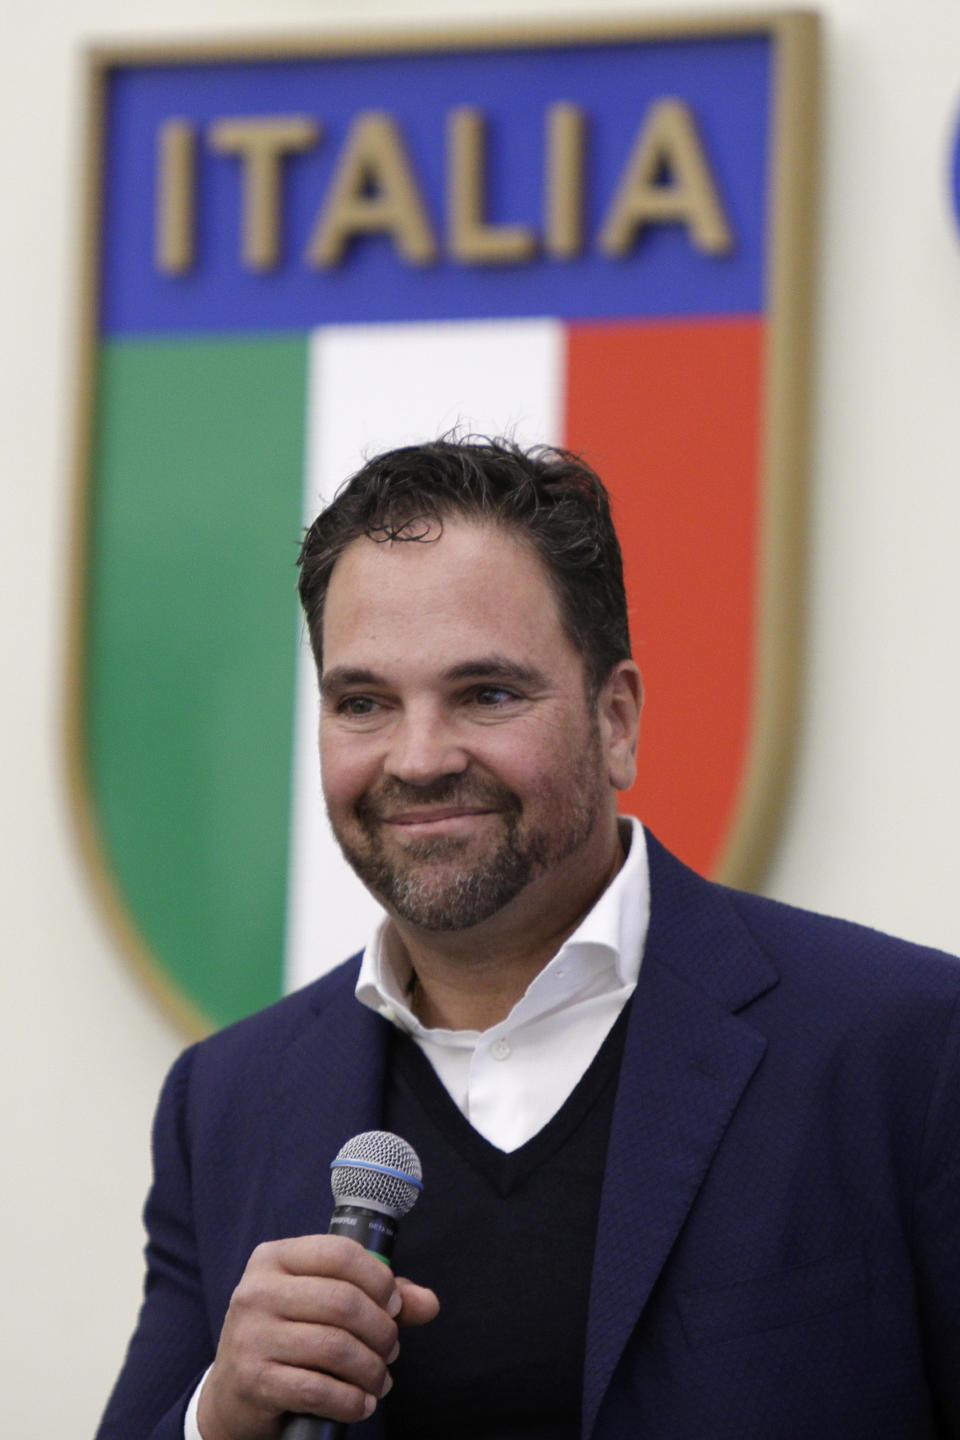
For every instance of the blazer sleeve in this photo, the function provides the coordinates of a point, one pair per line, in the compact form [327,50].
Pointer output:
[172,1344]
[936,1234]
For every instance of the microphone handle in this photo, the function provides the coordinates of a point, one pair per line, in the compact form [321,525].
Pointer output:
[311,1427]
[376,1232]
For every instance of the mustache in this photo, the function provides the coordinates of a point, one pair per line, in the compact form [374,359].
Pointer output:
[394,796]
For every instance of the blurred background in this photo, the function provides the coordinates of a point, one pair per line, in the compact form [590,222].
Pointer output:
[868,829]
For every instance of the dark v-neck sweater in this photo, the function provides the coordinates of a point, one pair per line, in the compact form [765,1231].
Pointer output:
[506,1241]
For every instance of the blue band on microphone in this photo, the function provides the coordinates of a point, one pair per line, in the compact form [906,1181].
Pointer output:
[380,1169]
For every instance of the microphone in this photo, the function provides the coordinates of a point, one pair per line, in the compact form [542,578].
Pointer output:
[376,1178]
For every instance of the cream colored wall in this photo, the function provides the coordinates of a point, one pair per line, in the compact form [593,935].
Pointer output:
[870,832]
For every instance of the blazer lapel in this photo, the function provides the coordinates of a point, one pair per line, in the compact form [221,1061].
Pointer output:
[687,1061]
[329,1088]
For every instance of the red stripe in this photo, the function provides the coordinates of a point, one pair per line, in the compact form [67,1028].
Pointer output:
[670,415]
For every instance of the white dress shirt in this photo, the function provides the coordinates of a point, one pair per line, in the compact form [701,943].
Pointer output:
[511,1079]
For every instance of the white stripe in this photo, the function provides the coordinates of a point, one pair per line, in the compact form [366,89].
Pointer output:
[372,387]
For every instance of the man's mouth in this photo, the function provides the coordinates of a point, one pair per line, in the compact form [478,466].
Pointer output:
[436,819]
[440,810]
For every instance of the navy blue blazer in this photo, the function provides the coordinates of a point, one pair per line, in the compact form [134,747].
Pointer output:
[778,1252]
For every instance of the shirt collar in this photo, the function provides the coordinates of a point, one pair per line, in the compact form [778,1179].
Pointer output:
[614,930]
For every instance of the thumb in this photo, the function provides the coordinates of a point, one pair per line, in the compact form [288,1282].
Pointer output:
[417,1303]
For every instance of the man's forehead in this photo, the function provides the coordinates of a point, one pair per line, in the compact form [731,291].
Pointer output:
[465,560]
[474,590]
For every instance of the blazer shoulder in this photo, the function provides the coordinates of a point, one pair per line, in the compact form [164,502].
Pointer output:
[837,948]
[255,1041]
[856,989]
[840,970]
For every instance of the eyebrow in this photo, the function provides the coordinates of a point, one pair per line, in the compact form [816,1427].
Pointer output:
[341,676]
[498,667]
[485,667]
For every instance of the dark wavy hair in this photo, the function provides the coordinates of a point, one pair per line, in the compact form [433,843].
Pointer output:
[549,499]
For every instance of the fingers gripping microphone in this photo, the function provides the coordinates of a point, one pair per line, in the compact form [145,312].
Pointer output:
[376,1179]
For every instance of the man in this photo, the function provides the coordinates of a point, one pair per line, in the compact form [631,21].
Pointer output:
[692,1157]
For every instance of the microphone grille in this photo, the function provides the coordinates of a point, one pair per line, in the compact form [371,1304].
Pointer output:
[378,1170]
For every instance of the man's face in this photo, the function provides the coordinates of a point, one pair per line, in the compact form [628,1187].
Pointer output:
[464,771]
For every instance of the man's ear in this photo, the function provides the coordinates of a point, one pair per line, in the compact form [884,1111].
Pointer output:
[618,712]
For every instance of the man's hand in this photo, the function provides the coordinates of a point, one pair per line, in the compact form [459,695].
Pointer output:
[311,1328]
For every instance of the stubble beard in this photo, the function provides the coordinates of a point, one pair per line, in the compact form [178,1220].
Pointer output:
[436,885]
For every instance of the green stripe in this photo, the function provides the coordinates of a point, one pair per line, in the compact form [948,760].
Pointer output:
[192,651]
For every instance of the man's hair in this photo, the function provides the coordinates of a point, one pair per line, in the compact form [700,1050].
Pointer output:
[548,499]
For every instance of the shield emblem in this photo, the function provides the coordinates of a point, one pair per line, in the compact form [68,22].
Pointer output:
[301,254]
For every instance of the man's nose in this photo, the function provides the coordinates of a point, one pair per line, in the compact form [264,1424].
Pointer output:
[424,746]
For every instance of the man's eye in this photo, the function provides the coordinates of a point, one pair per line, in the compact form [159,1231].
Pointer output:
[492,695]
[356,705]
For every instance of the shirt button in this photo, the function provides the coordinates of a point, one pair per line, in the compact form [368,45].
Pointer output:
[500,1049]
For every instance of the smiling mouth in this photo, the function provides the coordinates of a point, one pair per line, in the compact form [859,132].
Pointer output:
[446,807]
[440,818]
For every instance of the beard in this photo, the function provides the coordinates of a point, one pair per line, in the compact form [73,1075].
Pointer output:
[444,884]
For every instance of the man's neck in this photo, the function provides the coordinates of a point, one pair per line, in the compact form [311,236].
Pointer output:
[471,979]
